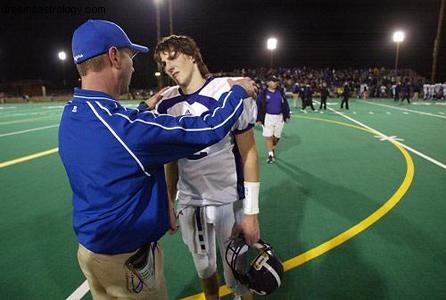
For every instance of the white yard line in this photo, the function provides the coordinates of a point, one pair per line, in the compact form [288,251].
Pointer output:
[27,120]
[80,292]
[403,109]
[28,130]
[416,152]
[47,112]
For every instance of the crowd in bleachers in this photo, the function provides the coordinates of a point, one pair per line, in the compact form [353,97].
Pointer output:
[370,82]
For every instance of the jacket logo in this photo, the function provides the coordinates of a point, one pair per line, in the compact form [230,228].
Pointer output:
[76,58]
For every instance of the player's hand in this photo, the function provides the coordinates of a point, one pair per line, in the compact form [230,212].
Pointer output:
[172,220]
[250,228]
[247,84]
[152,101]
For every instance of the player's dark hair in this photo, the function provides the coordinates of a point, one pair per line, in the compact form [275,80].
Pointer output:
[176,44]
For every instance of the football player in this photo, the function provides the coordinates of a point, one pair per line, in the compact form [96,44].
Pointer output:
[217,187]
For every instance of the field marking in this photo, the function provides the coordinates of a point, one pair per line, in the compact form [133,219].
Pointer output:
[352,231]
[53,107]
[29,120]
[403,109]
[33,113]
[80,292]
[26,158]
[28,130]
[393,138]
[416,152]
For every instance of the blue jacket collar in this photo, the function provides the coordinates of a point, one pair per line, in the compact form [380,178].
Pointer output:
[83,94]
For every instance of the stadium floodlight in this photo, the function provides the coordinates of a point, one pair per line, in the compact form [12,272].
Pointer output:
[62,55]
[398,37]
[271,45]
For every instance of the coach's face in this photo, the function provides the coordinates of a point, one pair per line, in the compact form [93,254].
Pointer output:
[180,67]
[126,68]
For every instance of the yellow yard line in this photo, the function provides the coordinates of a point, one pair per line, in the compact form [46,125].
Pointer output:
[26,158]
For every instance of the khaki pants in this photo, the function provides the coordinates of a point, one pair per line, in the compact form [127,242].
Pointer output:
[109,278]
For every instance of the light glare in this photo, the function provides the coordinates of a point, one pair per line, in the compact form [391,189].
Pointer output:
[62,55]
[271,43]
[398,36]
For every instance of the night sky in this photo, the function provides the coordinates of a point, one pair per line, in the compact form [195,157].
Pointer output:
[231,34]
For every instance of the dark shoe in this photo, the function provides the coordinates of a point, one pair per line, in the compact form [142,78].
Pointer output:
[270,159]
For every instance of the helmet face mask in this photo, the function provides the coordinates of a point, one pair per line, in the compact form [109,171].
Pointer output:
[263,274]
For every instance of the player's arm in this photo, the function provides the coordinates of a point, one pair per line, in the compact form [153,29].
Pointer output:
[171,170]
[248,151]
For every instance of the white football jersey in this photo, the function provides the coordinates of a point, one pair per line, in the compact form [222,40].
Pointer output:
[213,176]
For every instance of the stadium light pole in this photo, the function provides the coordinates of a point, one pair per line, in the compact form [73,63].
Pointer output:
[170,17]
[437,41]
[398,37]
[158,20]
[158,38]
[62,55]
[271,45]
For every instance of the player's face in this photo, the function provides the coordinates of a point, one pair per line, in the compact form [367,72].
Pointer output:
[180,67]
[272,84]
[127,69]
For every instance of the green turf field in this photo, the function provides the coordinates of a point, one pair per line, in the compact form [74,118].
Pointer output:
[354,205]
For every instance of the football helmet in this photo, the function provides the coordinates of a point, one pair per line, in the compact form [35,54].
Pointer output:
[263,274]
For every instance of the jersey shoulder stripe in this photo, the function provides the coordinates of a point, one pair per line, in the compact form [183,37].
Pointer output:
[172,96]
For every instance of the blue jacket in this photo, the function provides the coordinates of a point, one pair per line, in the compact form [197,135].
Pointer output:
[114,159]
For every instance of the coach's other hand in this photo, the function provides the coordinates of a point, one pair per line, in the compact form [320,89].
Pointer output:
[152,101]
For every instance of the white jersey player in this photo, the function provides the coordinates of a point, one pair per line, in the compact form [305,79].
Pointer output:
[211,176]
[218,186]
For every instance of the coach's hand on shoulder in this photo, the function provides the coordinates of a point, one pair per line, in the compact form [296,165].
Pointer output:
[247,84]
[250,228]
[152,101]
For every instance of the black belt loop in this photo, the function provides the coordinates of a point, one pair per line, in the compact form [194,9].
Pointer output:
[200,227]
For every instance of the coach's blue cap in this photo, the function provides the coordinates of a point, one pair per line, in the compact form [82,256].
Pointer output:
[95,37]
